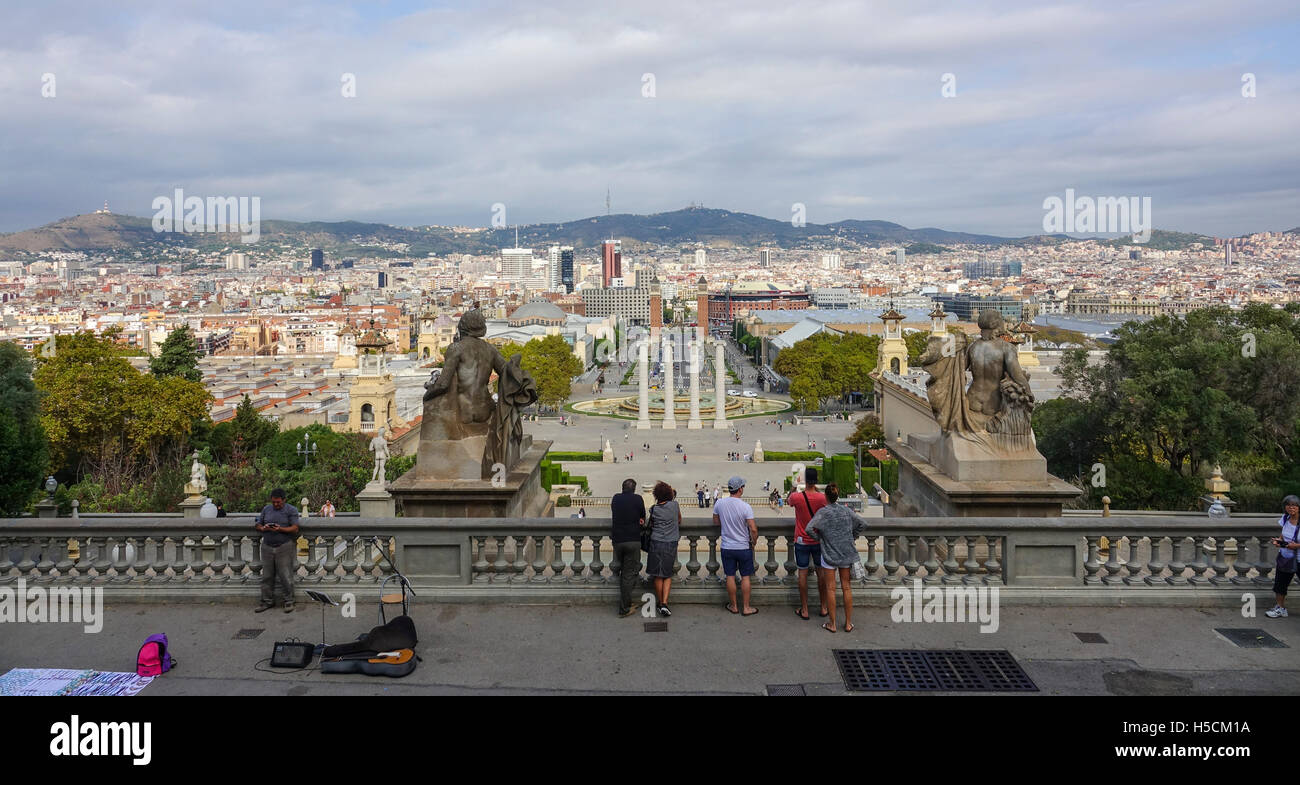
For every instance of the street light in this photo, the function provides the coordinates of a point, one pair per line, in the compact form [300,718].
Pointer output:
[51,485]
[306,452]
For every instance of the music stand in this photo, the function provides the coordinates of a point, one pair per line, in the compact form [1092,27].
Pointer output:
[323,599]
[397,575]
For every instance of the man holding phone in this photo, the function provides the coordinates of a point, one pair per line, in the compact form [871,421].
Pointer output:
[278,523]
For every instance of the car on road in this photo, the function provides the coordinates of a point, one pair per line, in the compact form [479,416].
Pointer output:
[751,394]
[733,392]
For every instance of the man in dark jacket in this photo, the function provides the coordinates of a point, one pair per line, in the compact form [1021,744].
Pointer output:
[628,509]
[278,523]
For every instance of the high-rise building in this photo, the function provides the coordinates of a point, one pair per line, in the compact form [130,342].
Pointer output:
[701,257]
[900,256]
[236,261]
[317,259]
[764,257]
[566,268]
[987,269]
[553,268]
[1227,253]
[831,261]
[611,262]
[381,281]
[516,263]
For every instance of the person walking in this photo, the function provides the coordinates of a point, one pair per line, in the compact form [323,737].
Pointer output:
[627,509]
[278,523]
[807,551]
[739,535]
[699,495]
[665,533]
[836,527]
[1287,545]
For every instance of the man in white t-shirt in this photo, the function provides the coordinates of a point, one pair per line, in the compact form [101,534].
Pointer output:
[739,535]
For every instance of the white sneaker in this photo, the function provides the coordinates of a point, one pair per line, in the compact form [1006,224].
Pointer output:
[1276,612]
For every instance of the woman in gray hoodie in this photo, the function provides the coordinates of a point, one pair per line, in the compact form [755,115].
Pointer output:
[836,527]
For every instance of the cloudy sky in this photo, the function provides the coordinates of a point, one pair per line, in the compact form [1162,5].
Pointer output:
[756,106]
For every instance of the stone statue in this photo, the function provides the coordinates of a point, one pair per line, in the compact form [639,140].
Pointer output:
[198,476]
[464,431]
[998,400]
[379,446]
[515,390]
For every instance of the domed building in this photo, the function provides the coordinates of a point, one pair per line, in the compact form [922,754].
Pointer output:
[538,312]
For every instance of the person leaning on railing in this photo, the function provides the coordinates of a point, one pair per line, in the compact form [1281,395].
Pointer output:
[837,527]
[1287,546]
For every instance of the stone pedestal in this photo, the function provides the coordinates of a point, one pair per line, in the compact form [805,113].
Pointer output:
[942,476]
[643,387]
[48,508]
[694,371]
[192,505]
[670,405]
[376,502]
[519,495]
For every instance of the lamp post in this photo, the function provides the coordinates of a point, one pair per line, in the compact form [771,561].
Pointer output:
[51,485]
[306,452]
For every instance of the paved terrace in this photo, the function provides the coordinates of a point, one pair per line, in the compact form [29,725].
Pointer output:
[527,606]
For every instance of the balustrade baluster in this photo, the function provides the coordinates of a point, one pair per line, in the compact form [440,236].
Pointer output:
[1220,562]
[332,560]
[1200,564]
[1092,564]
[891,559]
[712,565]
[951,567]
[577,564]
[499,565]
[992,567]
[349,561]
[64,564]
[871,564]
[769,567]
[519,567]
[791,576]
[195,546]
[237,563]
[1156,566]
[45,567]
[27,562]
[140,565]
[254,560]
[102,562]
[971,565]
[6,561]
[82,565]
[1267,555]
[313,560]
[1113,563]
[1242,563]
[1179,564]
[1133,567]
[557,560]
[597,566]
[539,559]
[481,569]
[931,563]
[693,563]
[119,560]
[911,565]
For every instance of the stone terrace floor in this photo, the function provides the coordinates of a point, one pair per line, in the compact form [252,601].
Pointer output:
[552,650]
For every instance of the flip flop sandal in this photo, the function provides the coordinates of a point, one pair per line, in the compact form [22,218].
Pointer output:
[827,627]
[800,615]
[726,606]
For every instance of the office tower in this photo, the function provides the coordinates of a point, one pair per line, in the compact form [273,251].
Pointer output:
[516,263]
[553,268]
[701,257]
[764,257]
[236,261]
[1227,253]
[317,259]
[831,261]
[382,280]
[566,268]
[611,261]
[900,256]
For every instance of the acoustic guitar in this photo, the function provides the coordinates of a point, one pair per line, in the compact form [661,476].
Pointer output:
[387,663]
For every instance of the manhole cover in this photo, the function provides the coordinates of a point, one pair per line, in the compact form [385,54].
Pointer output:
[944,670]
[783,690]
[248,633]
[656,626]
[1090,637]
[1250,638]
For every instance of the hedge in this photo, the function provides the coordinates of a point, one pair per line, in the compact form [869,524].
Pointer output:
[574,456]
[889,475]
[553,474]
[806,456]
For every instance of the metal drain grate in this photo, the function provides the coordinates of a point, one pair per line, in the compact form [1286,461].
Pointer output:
[785,690]
[656,626]
[248,633]
[1090,637]
[944,670]
[1250,638]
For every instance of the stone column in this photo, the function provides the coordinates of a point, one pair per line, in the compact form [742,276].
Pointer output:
[670,413]
[719,386]
[694,371]
[643,374]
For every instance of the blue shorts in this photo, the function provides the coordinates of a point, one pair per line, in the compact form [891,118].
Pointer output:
[738,559]
[807,554]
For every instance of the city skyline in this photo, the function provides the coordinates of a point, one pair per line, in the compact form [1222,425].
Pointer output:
[755,108]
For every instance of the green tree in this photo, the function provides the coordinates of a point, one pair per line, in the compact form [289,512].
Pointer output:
[248,430]
[179,356]
[552,364]
[24,452]
[867,431]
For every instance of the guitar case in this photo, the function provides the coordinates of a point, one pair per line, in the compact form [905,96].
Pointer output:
[361,655]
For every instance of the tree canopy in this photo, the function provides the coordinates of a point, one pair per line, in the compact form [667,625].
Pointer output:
[826,366]
[551,363]
[179,356]
[24,453]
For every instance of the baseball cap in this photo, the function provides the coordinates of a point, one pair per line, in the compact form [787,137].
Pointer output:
[735,484]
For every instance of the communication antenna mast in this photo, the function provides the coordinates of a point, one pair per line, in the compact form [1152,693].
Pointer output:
[607,193]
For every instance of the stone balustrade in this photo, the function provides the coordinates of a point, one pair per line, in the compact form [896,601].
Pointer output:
[1069,560]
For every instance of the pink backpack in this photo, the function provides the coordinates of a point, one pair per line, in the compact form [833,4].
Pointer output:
[153,658]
